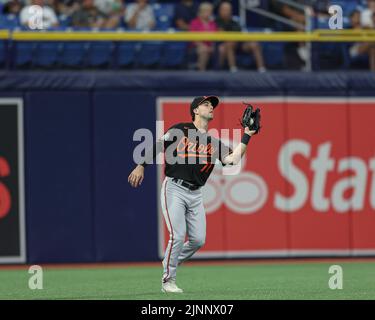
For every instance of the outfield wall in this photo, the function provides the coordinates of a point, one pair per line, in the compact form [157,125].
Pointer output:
[315,155]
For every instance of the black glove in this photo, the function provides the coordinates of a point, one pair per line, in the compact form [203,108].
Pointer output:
[251,119]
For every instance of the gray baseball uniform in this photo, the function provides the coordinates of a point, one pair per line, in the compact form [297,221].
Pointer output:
[183,213]
[181,194]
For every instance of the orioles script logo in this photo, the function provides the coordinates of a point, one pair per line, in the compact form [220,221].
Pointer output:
[192,148]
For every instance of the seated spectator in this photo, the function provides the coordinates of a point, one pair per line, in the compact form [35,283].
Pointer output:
[362,48]
[114,9]
[64,7]
[140,16]
[185,12]
[88,16]
[29,17]
[227,50]
[367,20]
[297,15]
[204,23]
[12,7]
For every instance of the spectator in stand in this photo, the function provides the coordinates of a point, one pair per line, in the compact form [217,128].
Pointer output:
[204,23]
[227,50]
[12,7]
[88,16]
[64,7]
[367,20]
[140,16]
[185,12]
[28,16]
[362,48]
[296,14]
[114,9]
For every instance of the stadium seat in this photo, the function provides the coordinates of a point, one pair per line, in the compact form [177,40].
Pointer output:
[327,56]
[359,62]
[73,54]
[245,60]
[164,15]
[348,6]
[149,54]
[99,53]
[2,53]
[24,52]
[46,54]
[64,20]
[174,55]
[163,9]
[9,21]
[163,23]
[273,54]
[126,53]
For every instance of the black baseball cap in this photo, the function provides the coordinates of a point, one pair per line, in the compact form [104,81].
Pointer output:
[199,100]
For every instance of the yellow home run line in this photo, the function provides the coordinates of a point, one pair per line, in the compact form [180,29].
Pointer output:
[315,36]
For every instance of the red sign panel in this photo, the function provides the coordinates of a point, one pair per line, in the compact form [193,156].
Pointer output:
[306,185]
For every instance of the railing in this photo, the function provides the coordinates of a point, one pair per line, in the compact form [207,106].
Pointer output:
[266,36]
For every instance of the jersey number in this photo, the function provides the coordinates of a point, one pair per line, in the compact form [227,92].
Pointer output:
[207,167]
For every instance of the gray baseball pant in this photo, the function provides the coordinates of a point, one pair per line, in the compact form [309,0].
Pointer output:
[184,214]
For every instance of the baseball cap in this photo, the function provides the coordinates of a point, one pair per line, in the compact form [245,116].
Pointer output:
[199,100]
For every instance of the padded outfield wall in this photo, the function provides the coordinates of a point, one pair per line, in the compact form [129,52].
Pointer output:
[307,187]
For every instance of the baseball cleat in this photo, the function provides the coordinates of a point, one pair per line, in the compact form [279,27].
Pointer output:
[170,287]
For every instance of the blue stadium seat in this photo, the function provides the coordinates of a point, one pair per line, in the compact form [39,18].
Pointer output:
[245,60]
[65,21]
[164,15]
[163,23]
[174,55]
[99,53]
[348,6]
[359,62]
[273,54]
[9,21]
[47,53]
[327,56]
[73,54]
[2,52]
[163,9]
[149,54]
[126,53]
[24,52]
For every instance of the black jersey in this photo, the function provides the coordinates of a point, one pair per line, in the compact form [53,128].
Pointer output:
[190,154]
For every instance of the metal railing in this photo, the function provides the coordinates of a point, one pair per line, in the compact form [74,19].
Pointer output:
[307,27]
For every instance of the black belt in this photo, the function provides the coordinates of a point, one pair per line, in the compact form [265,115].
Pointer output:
[186,184]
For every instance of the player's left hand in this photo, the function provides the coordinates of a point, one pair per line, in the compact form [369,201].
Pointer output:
[251,119]
[250,132]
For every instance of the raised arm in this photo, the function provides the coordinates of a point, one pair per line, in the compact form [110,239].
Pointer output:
[235,157]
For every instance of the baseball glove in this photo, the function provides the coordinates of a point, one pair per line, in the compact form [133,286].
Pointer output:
[251,118]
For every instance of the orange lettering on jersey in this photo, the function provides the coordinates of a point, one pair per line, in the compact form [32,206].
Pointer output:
[193,148]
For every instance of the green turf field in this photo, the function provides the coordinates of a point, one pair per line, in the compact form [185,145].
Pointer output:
[241,281]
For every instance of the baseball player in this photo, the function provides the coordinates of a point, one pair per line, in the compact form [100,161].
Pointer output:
[190,155]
